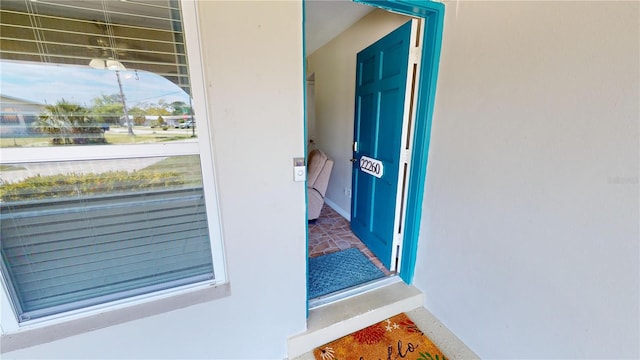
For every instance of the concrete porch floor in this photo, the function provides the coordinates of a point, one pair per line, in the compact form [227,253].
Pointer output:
[340,318]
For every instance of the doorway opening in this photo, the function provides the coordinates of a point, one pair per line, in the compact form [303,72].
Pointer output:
[330,238]
[355,242]
[330,128]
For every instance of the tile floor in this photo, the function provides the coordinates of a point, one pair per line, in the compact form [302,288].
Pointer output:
[331,233]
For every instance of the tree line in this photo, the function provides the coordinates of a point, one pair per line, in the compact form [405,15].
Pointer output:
[72,123]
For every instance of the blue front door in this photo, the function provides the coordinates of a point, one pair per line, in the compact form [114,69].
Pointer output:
[381,78]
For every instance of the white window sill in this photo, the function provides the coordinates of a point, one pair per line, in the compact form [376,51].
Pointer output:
[32,336]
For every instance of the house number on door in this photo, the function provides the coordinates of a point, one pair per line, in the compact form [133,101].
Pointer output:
[371,166]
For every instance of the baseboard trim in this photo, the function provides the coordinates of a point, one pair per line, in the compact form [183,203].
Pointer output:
[345,214]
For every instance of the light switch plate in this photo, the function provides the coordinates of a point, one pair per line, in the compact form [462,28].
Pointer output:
[299,169]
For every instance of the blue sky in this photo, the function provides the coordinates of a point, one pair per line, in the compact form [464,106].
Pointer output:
[48,83]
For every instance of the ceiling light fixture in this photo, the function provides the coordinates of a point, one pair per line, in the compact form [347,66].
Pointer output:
[103,64]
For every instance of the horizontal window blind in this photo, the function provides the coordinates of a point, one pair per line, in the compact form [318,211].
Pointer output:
[62,254]
[142,34]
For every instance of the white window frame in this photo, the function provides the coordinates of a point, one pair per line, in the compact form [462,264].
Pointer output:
[203,146]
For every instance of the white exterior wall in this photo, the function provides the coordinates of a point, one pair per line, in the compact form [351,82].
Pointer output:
[529,240]
[252,54]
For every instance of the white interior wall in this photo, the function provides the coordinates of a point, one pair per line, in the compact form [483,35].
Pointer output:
[334,66]
[252,53]
[529,239]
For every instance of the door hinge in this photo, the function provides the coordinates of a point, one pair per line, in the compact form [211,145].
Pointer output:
[404,156]
[415,54]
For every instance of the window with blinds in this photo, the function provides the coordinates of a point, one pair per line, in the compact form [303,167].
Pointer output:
[141,34]
[101,65]
[86,218]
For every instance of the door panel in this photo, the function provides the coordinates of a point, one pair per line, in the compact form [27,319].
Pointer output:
[367,74]
[381,77]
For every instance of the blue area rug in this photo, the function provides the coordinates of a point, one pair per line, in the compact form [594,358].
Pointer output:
[340,270]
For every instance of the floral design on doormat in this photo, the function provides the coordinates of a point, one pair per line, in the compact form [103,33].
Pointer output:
[390,327]
[370,335]
[327,353]
[411,326]
[395,338]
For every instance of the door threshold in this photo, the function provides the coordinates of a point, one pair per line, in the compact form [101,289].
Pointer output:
[339,318]
[353,291]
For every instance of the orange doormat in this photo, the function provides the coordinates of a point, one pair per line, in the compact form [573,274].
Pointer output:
[395,338]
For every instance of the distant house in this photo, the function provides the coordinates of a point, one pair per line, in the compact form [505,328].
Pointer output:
[17,114]
[149,120]
[175,120]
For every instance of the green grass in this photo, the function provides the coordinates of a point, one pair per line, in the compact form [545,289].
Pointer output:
[20,142]
[188,166]
[171,163]
[185,168]
[71,185]
[171,172]
[10,168]
[144,138]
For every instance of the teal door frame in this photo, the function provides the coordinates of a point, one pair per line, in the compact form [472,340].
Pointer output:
[433,15]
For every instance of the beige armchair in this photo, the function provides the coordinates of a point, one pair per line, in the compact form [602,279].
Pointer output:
[318,172]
